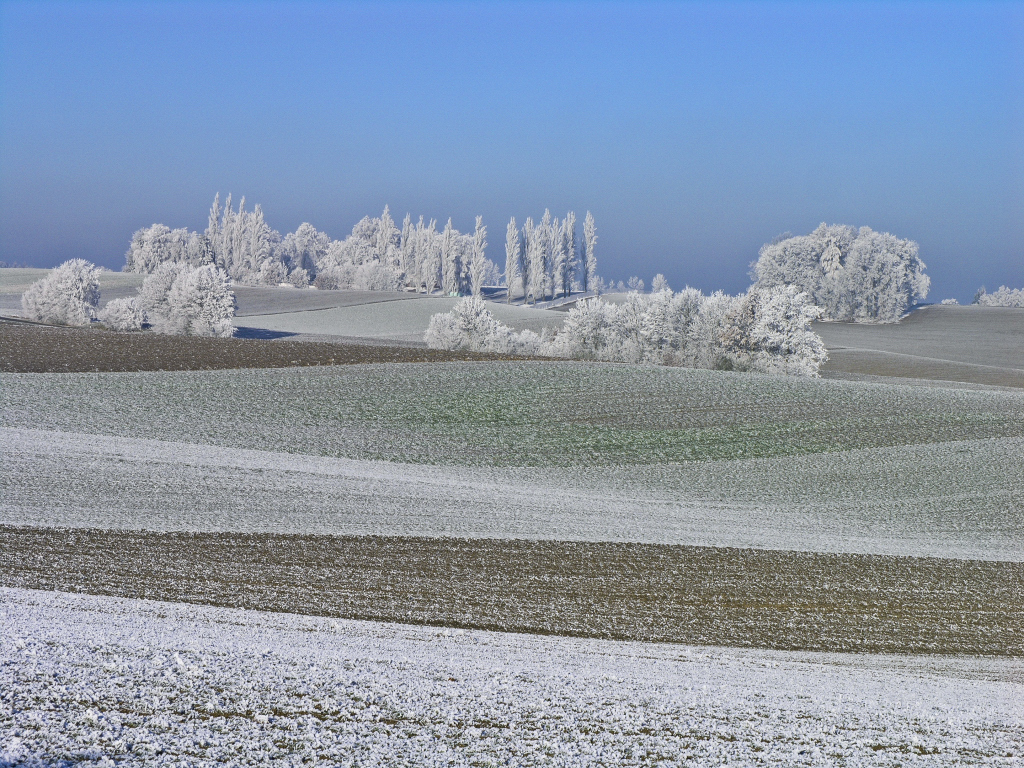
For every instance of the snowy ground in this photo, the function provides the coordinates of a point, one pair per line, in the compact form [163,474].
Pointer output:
[526,450]
[397,321]
[103,680]
[508,413]
[984,345]
[958,500]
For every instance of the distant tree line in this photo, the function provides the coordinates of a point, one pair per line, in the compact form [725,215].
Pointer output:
[542,261]
[1003,297]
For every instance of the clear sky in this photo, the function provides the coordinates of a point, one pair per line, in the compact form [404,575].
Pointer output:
[695,132]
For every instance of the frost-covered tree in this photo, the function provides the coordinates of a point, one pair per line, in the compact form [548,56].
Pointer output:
[853,275]
[388,250]
[514,267]
[158,244]
[450,266]
[590,255]
[572,262]
[767,331]
[407,247]
[534,259]
[303,249]
[152,298]
[430,264]
[122,315]
[68,295]
[560,276]
[635,284]
[190,301]
[478,267]
[375,256]
[548,230]
[659,284]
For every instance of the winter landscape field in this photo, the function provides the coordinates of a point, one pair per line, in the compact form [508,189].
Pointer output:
[535,383]
[707,565]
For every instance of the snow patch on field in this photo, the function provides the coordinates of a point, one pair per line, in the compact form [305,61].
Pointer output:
[946,500]
[87,679]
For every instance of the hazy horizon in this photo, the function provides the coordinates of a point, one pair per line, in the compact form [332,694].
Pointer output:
[695,132]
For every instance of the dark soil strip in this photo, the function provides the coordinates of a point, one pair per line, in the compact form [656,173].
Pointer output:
[701,595]
[30,348]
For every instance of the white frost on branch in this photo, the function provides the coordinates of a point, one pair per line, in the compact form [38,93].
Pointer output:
[471,326]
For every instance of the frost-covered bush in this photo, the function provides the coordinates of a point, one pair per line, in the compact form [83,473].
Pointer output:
[272,272]
[949,302]
[471,326]
[69,295]
[181,300]
[122,315]
[1004,297]
[767,331]
[853,275]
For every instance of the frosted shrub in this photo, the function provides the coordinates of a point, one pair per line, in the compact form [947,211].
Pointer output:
[1004,297]
[949,302]
[377,277]
[471,326]
[185,301]
[767,331]
[69,295]
[122,315]
[853,275]
[272,272]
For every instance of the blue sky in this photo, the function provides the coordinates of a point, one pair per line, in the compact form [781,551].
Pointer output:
[695,132]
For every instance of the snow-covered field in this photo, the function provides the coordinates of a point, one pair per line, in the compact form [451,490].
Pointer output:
[507,413]
[971,344]
[397,321]
[552,452]
[132,682]
[958,500]
[538,450]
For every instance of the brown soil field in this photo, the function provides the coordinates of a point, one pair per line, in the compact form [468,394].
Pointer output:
[696,595]
[32,348]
